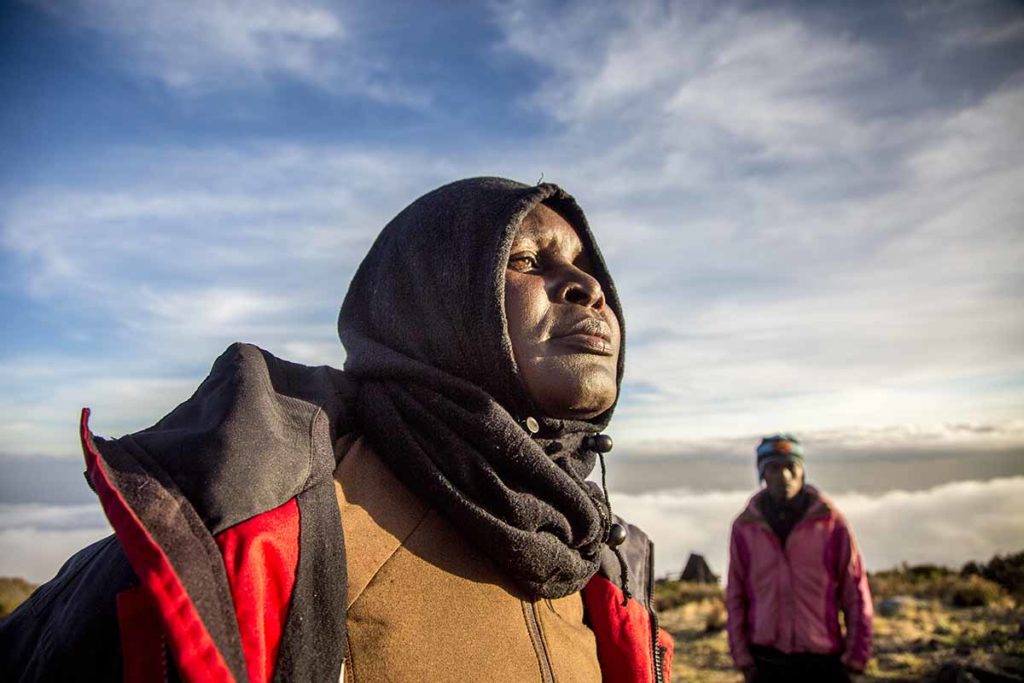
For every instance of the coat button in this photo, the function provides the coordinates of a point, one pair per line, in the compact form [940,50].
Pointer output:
[616,535]
[532,425]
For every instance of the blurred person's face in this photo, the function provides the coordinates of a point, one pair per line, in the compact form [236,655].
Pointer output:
[565,338]
[783,479]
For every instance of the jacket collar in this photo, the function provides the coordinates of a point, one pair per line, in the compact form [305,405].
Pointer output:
[821,507]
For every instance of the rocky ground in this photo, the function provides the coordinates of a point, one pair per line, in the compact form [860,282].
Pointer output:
[916,639]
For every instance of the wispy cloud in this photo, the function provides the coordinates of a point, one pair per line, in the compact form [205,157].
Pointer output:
[42,404]
[211,247]
[228,226]
[1008,32]
[801,238]
[959,24]
[195,47]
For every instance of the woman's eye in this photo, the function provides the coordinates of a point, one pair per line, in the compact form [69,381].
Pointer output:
[523,262]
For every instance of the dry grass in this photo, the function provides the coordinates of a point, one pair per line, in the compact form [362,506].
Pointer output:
[701,654]
[669,594]
[913,644]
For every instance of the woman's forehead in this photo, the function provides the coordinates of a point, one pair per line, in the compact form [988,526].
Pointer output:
[544,226]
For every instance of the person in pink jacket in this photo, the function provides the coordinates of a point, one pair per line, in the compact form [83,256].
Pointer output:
[793,566]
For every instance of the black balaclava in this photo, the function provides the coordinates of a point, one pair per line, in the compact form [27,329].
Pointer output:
[441,400]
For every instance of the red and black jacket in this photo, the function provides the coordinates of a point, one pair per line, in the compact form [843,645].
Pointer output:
[227,562]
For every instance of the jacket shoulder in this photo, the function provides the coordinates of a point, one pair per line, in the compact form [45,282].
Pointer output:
[822,507]
[257,431]
[69,624]
[751,512]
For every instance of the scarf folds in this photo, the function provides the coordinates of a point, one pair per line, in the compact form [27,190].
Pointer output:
[528,512]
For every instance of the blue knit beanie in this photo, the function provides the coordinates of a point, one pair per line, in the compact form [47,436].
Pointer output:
[778,448]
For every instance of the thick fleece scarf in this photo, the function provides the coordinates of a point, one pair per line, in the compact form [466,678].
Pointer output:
[441,400]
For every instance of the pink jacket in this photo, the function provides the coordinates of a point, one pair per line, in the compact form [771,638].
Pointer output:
[789,598]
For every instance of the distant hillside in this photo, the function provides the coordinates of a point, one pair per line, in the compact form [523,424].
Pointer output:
[13,592]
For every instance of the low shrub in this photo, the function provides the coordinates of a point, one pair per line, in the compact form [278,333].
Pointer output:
[926,572]
[928,582]
[1007,571]
[974,591]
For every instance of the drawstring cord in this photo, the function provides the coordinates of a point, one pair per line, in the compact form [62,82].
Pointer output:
[618,532]
[615,534]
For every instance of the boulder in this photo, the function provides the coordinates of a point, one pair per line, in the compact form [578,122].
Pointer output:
[896,606]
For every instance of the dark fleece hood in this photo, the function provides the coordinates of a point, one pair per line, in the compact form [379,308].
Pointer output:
[429,296]
[441,400]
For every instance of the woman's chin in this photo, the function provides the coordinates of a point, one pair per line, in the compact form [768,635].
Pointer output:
[584,404]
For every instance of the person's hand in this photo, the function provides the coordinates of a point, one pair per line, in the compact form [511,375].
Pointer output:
[853,675]
[750,673]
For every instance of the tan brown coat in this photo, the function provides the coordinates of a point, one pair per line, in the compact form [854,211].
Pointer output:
[424,605]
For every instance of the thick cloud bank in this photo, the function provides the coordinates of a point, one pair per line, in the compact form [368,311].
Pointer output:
[948,524]
[35,540]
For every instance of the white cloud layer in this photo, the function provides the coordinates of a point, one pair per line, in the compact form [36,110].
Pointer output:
[35,540]
[36,555]
[947,525]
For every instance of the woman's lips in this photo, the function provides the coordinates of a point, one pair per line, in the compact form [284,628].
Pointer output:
[588,334]
[588,343]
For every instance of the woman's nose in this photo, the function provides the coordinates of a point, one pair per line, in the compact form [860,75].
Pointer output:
[576,286]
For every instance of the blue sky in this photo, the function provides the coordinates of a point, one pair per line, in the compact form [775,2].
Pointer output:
[813,210]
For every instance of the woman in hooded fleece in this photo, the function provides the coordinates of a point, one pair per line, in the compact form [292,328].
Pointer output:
[422,515]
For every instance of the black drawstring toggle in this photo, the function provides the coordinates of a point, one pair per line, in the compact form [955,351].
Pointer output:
[602,443]
[616,535]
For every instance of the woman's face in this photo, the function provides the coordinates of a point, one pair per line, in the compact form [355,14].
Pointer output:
[564,336]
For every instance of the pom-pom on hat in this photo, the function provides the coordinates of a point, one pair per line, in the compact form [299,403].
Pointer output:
[778,448]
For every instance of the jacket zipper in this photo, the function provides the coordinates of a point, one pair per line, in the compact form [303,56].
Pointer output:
[781,545]
[537,637]
[164,657]
[347,675]
[657,651]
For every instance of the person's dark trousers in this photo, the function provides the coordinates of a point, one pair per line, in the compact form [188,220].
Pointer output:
[798,667]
